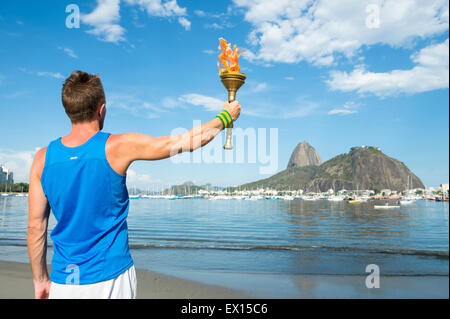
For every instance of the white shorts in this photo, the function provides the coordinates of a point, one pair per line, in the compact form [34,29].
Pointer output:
[121,287]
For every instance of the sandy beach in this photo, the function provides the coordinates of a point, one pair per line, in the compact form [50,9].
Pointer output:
[16,283]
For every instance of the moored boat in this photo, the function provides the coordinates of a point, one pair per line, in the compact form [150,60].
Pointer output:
[386,206]
[407,202]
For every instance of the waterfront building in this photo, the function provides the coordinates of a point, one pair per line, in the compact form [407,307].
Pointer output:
[6,175]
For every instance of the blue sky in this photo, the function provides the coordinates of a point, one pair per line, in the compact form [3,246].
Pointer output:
[334,74]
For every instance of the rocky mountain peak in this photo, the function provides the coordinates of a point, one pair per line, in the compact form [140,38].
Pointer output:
[304,155]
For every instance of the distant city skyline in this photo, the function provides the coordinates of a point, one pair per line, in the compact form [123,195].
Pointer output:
[334,74]
[6,175]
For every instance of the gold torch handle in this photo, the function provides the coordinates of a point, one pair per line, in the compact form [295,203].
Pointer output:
[229,132]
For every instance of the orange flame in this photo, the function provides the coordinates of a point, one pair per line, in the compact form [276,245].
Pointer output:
[229,58]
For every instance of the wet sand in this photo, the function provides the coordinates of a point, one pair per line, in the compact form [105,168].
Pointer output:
[316,286]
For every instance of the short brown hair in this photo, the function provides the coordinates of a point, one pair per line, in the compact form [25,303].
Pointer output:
[82,94]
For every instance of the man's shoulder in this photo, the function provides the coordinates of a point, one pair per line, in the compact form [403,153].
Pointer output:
[40,154]
[122,137]
[128,146]
[114,140]
[116,144]
[117,140]
[39,161]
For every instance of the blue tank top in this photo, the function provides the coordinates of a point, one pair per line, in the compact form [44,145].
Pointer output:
[90,203]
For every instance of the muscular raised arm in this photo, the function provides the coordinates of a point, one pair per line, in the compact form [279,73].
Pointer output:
[123,149]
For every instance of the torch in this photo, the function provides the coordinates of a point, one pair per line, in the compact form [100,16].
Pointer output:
[231,78]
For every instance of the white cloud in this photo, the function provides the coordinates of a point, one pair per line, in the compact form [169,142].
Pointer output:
[289,78]
[222,24]
[170,102]
[219,25]
[161,8]
[69,52]
[214,26]
[134,177]
[209,103]
[106,16]
[265,109]
[51,74]
[185,23]
[209,52]
[200,13]
[19,162]
[55,75]
[104,19]
[260,87]
[142,181]
[430,73]
[348,108]
[204,14]
[341,112]
[108,32]
[320,31]
[133,105]
[138,107]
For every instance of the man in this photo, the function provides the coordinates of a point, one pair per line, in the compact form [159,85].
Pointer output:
[81,178]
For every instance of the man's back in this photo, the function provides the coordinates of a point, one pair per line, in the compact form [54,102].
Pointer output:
[90,203]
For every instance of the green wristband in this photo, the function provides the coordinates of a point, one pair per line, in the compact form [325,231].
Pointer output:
[226,118]
[229,116]
[223,123]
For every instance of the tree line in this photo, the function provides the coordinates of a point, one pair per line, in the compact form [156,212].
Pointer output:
[14,188]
